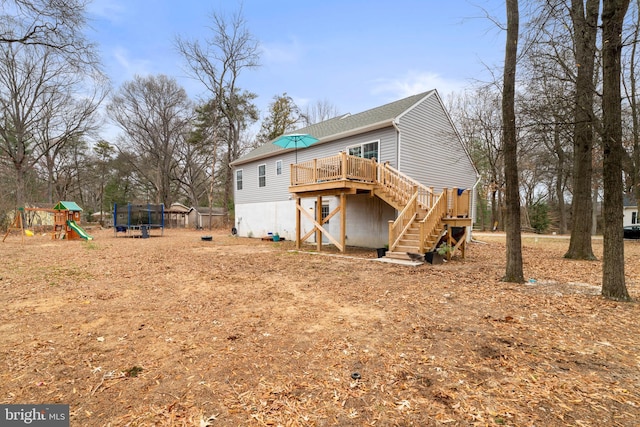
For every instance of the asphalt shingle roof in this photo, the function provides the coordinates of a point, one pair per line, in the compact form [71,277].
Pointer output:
[329,129]
[629,200]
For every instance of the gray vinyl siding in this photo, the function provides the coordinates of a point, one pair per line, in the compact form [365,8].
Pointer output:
[387,148]
[277,187]
[430,150]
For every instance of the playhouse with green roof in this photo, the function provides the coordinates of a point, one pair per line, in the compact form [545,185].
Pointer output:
[67,221]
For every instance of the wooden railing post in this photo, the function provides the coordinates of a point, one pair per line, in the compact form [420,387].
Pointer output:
[445,194]
[390,234]
[315,170]
[385,173]
[454,202]
[343,161]
[372,170]
[415,201]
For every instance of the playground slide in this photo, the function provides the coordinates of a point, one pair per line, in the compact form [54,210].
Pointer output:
[75,227]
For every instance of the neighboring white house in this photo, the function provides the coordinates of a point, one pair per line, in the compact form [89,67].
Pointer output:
[630,209]
[415,136]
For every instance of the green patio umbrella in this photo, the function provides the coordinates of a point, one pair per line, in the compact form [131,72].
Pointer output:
[296,140]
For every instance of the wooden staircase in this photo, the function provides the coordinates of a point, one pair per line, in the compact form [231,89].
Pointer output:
[422,221]
[424,217]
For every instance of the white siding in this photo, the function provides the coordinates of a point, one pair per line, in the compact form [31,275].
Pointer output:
[367,219]
[628,212]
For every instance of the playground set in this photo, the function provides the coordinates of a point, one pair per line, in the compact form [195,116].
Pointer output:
[66,221]
[138,220]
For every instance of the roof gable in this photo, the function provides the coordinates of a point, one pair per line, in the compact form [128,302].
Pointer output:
[344,125]
[67,206]
[178,208]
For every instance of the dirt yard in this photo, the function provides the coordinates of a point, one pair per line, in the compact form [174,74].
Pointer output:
[177,331]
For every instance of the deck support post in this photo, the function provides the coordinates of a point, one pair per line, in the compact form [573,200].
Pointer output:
[298,222]
[319,221]
[343,221]
[342,175]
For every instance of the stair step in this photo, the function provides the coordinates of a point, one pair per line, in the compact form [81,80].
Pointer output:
[404,249]
[410,239]
[398,255]
[408,244]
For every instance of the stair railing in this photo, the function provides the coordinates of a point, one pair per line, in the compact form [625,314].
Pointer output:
[402,188]
[432,221]
[404,220]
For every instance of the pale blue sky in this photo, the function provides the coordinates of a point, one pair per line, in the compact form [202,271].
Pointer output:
[356,54]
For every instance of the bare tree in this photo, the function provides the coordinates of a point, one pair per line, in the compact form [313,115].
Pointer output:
[547,107]
[479,120]
[40,111]
[585,28]
[193,175]
[514,272]
[613,281]
[65,120]
[56,24]
[104,153]
[319,111]
[155,114]
[217,64]
[200,153]
[631,156]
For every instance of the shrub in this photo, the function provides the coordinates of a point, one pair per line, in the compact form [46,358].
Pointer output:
[539,217]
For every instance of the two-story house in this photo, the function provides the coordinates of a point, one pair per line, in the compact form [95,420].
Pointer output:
[396,175]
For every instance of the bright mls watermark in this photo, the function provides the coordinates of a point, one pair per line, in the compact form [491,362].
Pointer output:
[34,415]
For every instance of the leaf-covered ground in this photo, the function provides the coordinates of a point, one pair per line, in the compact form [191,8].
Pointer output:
[174,330]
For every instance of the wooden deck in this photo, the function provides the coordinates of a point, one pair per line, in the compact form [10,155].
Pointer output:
[341,173]
[421,210]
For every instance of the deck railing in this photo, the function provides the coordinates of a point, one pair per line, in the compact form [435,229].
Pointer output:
[417,199]
[458,202]
[334,168]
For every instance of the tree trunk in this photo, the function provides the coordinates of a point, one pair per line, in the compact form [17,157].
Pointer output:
[585,30]
[50,179]
[562,217]
[594,207]
[633,103]
[513,271]
[494,209]
[20,189]
[613,282]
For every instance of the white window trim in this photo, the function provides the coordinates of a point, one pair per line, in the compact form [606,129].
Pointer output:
[281,167]
[362,144]
[241,173]
[265,175]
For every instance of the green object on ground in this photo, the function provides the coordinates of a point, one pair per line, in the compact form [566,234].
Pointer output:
[75,227]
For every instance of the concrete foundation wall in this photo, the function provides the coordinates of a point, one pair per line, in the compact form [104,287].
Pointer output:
[367,220]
